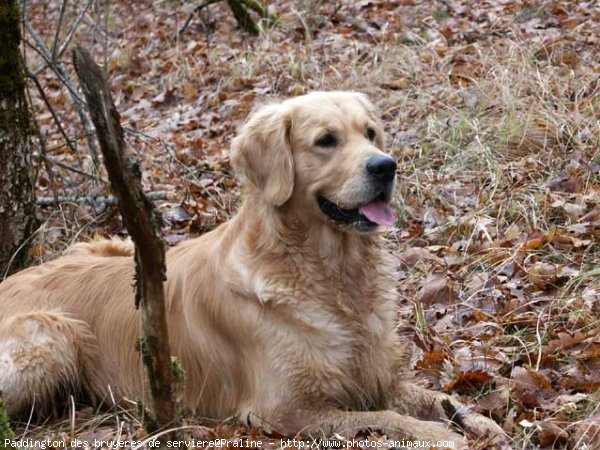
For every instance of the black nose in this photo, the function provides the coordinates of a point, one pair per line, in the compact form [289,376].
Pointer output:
[382,168]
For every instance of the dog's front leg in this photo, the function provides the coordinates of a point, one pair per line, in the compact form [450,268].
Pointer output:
[430,405]
[348,423]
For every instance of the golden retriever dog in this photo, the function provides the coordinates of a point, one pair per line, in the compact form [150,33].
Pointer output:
[284,316]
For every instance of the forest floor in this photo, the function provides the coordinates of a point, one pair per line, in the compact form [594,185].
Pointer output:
[492,109]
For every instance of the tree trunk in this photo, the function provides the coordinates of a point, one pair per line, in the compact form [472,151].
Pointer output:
[17,202]
[243,16]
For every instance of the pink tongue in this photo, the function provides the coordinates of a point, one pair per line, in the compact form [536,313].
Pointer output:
[379,212]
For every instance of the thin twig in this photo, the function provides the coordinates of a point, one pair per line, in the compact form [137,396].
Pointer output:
[195,11]
[40,89]
[73,169]
[172,154]
[43,149]
[39,46]
[73,28]
[63,8]
[101,200]
[45,160]
[91,22]
[63,75]
[105,40]
[48,64]
[75,138]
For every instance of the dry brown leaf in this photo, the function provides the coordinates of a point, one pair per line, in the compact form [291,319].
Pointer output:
[414,255]
[542,275]
[551,435]
[566,340]
[438,289]
[470,382]
[432,360]
[494,403]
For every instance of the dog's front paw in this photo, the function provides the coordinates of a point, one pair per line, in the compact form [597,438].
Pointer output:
[410,432]
[439,435]
[485,430]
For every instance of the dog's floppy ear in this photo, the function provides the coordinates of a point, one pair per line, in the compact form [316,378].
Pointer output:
[262,155]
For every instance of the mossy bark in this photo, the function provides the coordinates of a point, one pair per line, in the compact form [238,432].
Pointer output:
[5,431]
[17,202]
[243,16]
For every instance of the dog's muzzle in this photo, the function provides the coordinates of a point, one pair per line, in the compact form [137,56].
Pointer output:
[368,215]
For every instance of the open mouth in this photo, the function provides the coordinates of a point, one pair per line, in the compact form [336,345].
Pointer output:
[364,217]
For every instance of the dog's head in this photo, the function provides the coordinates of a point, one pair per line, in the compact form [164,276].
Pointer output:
[320,155]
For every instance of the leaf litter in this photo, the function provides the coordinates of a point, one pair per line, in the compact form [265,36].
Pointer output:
[492,110]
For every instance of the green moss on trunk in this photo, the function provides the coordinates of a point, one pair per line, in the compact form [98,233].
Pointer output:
[12,79]
[17,200]
[5,431]
[243,17]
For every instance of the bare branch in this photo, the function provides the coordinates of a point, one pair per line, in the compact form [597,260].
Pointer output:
[63,76]
[40,89]
[101,200]
[73,27]
[199,7]
[63,8]
[42,150]
[94,177]
[105,40]
[49,64]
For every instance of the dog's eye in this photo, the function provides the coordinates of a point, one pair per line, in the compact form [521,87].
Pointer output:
[371,134]
[327,140]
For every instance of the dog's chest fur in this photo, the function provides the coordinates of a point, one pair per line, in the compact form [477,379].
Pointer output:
[340,326]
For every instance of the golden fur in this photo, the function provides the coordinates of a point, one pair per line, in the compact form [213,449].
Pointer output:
[279,316]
